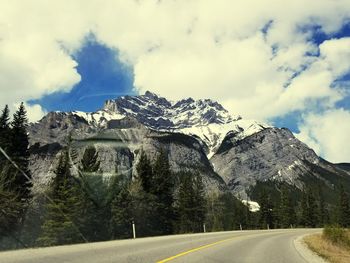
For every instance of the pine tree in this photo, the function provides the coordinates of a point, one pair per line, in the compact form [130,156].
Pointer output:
[309,209]
[286,210]
[9,200]
[121,210]
[229,211]
[96,206]
[10,208]
[191,203]
[15,183]
[304,210]
[215,211]
[89,162]
[133,204]
[162,187]
[322,209]
[62,219]
[343,208]
[19,153]
[4,132]
[266,217]
[144,171]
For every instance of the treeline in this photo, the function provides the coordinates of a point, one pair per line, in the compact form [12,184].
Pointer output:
[308,209]
[83,205]
[15,179]
[157,201]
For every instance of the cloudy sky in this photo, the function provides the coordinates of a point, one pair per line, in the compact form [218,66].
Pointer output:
[283,62]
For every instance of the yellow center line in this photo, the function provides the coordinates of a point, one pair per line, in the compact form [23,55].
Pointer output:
[216,243]
[195,249]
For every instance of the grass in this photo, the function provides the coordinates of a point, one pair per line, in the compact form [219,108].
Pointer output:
[333,244]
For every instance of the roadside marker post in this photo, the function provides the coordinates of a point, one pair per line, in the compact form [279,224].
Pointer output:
[204,230]
[133,230]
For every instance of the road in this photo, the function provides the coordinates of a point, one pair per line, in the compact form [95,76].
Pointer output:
[266,246]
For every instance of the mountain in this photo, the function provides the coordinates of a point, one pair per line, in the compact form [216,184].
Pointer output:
[230,152]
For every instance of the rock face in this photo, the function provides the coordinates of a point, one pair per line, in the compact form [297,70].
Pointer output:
[229,152]
[271,154]
[117,148]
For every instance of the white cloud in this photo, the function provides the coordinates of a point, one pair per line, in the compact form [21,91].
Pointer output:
[328,134]
[35,112]
[182,48]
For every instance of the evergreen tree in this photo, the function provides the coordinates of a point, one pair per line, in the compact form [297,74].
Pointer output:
[343,208]
[144,171]
[286,214]
[309,213]
[191,203]
[230,211]
[5,132]
[19,153]
[266,217]
[121,210]
[215,211]
[162,187]
[10,207]
[133,204]
[304,210]
[15,180]
[96,206]
[89,162]
[322,209]
[62,219]
[144,207]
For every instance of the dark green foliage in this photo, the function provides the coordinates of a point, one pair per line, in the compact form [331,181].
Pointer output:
[10,207]
[266,212]
[121,210]
[191,203]
[215,211]
[337,235]
[226,212]
[322,209]
[133,204]
[19,153]
[162,188]
[95,203]
[343,208]
[63,218]
[286,213]
[89,162]
[5,131]
[333,178]
[309,210]
[15,187]
[144,171]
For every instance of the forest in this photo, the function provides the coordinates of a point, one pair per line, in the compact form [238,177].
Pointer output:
[91,207]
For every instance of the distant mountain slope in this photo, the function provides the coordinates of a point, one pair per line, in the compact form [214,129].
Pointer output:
[230,152]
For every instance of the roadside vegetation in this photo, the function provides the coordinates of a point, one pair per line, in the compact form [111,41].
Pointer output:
[333,244]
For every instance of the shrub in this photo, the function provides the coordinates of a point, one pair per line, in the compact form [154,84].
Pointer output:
[337,235]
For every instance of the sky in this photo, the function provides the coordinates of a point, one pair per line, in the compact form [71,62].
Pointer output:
[282,62]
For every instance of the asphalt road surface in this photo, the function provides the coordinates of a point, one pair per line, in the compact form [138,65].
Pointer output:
[266,246]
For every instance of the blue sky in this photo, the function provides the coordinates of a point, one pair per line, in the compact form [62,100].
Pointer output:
[284,62]
[103,76]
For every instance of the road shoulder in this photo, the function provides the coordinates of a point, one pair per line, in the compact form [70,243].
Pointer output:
[305,252]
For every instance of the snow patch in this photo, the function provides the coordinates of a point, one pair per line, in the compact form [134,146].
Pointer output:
[253,206]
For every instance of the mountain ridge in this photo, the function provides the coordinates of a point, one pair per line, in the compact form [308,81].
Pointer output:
[232,153]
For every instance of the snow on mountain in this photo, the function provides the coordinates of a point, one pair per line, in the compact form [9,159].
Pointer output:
[99,118]
[205,119]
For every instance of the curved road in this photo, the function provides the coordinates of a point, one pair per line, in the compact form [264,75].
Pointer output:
[266,246]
